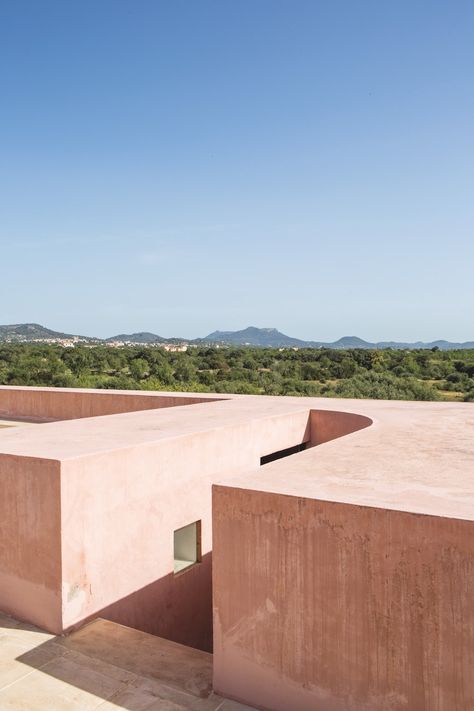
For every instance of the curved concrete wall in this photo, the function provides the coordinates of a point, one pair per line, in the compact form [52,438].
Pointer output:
[327,425]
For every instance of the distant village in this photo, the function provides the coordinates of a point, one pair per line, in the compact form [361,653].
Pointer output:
[73,341]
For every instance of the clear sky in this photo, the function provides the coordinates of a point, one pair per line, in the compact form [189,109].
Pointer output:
[185,166]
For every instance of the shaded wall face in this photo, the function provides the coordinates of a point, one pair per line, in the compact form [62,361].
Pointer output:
[327,425]
[30,540]
[174,607]
[57,404]
[335,607]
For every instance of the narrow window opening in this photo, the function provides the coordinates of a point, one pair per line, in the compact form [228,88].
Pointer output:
[187,546]
[282,453]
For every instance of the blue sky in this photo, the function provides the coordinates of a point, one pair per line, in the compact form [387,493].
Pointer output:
[185,166]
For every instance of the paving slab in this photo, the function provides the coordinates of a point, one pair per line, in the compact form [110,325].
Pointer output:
[103,666]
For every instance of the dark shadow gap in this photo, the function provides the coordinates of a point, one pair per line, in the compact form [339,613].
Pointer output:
[283,453]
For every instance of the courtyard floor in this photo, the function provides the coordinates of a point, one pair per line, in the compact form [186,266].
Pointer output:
[103,666]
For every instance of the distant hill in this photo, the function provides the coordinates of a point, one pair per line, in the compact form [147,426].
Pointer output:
[349,342]
[142,337]
[145,338]
[20,332]
[251,336]
[272,338]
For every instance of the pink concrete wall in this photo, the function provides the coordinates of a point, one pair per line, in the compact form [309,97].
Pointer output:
[336,607]
[108,548]
[174,607]
[30,540]
[64,404]
[119,512]
[331,424]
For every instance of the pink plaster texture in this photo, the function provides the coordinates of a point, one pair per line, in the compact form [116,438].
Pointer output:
[344,575]
[341,574]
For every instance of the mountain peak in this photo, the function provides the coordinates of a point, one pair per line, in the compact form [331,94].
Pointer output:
[253,336]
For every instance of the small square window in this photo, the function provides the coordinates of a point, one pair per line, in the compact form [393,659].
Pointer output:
[187,546]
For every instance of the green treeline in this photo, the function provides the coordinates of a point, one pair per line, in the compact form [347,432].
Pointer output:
[388,374]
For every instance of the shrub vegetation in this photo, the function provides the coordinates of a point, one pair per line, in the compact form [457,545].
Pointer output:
[380,374]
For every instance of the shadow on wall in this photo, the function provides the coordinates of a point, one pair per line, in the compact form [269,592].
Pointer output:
[176,607]
[322,426]
[179,607]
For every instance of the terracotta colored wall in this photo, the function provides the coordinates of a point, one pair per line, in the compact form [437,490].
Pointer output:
[119,512]
[322,606]
[330,424]
[30,543]
[94,534]
[174,607]
[63,404]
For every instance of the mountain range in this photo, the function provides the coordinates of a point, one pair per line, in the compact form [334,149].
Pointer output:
[272,338]
[251,336]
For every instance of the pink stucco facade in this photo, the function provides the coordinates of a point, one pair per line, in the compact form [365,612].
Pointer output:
[325,563]
[349,608]
[94,534]
[344,576]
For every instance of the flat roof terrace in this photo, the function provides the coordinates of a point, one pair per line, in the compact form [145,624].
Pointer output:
[412,456]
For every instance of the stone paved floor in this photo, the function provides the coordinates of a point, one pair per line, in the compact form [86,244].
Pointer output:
[102,666]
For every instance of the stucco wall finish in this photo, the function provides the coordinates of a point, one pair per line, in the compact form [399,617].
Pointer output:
[120,510]
[331,607]
[30,540]
[71,404]
[356,608]
[122,484]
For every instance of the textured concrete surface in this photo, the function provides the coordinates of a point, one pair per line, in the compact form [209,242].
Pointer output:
[413,457]
[89,507]
[324,606]
[103,666]
[72,403]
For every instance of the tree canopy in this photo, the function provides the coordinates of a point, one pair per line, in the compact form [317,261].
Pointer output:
[380,374]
